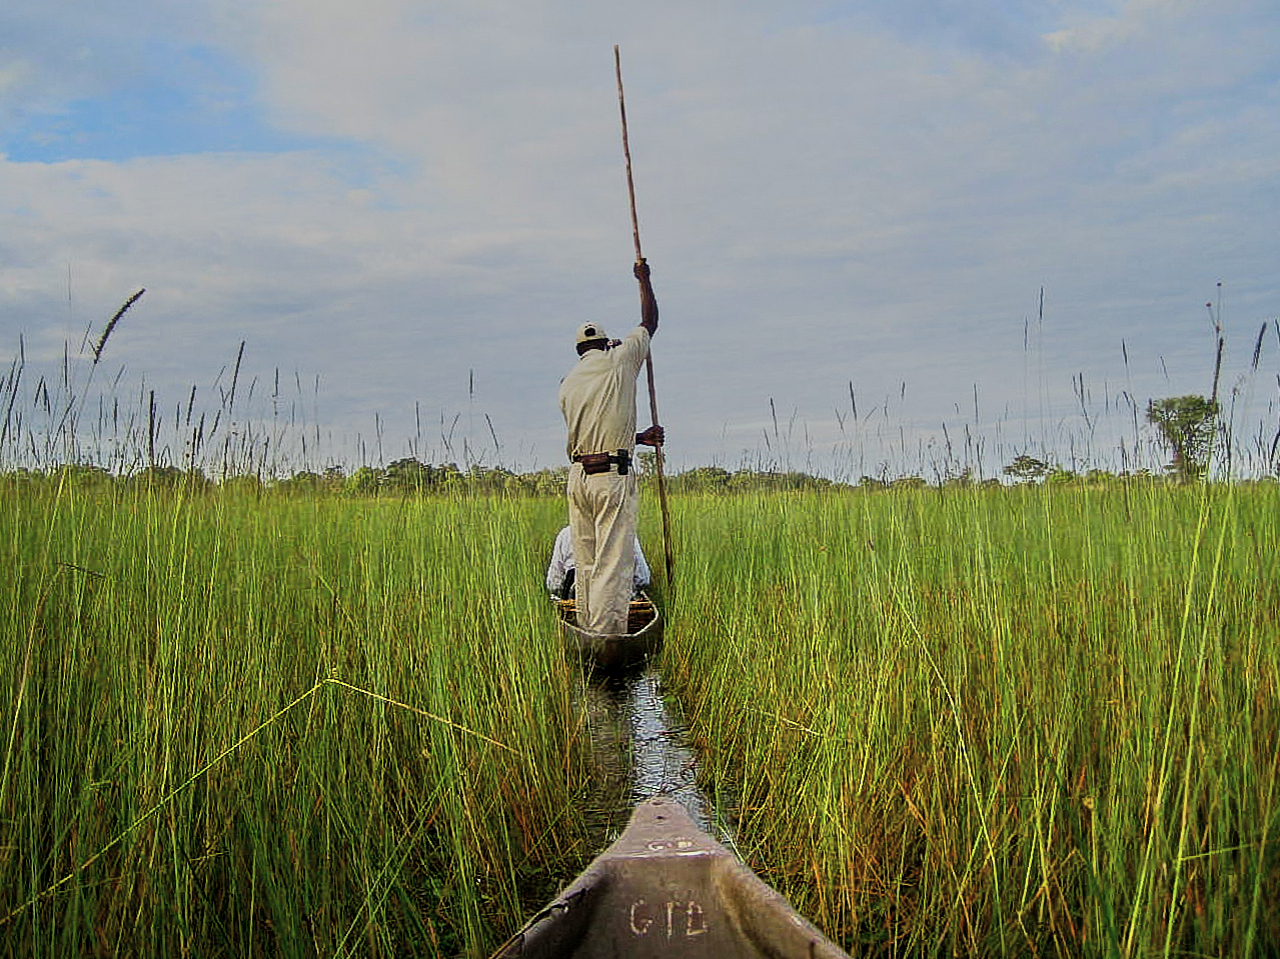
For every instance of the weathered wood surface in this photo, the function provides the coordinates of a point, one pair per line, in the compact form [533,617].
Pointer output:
[615,653]
[666,888]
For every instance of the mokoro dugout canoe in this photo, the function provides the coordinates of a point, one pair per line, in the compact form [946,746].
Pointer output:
[666,888]
[614,652]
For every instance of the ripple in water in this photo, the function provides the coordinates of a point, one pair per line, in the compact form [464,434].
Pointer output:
[632,720]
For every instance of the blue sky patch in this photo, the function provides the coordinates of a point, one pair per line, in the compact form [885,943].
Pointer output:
[184,100]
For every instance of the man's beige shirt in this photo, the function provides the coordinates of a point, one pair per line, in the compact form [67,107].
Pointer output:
[598,397]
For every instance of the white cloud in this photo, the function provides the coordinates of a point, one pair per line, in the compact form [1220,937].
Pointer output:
[822,202]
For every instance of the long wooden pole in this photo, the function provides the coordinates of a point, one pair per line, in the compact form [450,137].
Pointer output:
[648,363]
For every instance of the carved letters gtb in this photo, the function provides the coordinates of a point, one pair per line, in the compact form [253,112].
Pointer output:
[673,919]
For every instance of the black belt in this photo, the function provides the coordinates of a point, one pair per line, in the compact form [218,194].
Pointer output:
[593,463]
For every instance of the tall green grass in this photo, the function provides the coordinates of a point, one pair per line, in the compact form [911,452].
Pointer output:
[301,727]
[1012,722]
[1039,721]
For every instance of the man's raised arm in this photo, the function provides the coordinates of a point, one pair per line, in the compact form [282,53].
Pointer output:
[648,303]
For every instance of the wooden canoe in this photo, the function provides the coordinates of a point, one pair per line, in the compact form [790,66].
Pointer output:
[614,653]
[666,888]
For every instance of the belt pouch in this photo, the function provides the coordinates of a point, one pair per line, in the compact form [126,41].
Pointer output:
[593,463]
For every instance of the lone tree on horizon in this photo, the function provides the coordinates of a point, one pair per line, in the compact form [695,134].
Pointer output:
[1187,425]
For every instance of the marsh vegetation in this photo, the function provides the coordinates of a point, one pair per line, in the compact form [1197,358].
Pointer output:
[301,726]
[1031,721]
[256,709]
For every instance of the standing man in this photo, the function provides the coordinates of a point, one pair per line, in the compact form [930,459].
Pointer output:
[598,400]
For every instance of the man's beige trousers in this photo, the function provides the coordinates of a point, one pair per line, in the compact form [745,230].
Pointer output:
[602,517]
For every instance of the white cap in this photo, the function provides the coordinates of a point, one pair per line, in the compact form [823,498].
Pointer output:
[591,331]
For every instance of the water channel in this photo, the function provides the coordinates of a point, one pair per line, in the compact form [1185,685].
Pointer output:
[641,750]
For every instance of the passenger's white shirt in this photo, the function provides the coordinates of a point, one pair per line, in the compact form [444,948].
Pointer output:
[562,561]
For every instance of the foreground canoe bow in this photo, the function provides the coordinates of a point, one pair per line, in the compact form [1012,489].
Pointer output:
[614,653]
[666,888]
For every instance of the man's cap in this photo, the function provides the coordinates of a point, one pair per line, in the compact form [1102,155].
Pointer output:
[588,332]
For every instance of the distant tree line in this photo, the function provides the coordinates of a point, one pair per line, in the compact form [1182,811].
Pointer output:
[411,477]
[1187,427]
[408,476]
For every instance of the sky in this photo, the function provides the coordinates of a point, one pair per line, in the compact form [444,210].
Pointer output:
[886,237]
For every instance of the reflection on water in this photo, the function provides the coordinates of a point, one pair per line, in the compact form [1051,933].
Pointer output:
[641,750]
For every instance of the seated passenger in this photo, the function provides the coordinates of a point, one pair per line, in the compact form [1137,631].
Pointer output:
[560,573]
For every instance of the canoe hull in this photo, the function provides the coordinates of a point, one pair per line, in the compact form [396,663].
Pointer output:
[666,888]
[615,653]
